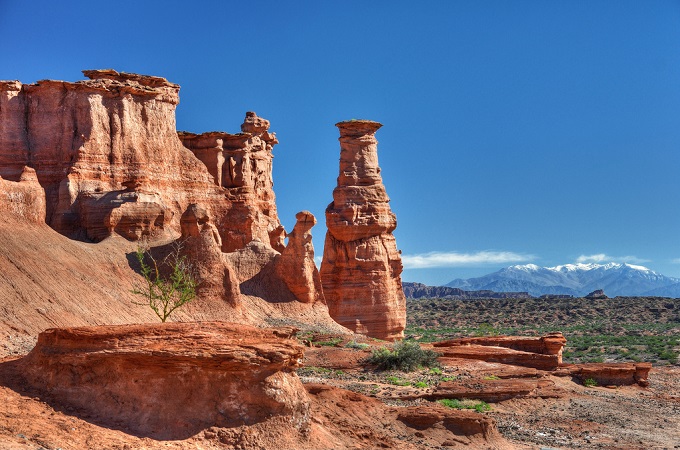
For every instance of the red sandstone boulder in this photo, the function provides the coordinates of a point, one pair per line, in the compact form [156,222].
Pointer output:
[361,267]
[169,381]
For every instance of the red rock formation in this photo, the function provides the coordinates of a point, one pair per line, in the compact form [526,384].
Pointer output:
[242,163]
[361,268]
[609,374]
[500,355]
[202,244]
[496,390]
[106,152]
[25,198]
[550,344]
[296,265]
[169,381]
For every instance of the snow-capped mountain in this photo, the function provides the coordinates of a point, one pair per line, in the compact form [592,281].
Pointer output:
[576,279]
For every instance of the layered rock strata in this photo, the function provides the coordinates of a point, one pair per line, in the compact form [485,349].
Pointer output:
[108,156]
[242,164]
[105,150]
[500,355]
[361,267]
[170,381]
[550,344]
[609,374]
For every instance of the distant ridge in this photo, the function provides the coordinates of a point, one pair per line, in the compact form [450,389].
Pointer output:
[616,279]
[419,290]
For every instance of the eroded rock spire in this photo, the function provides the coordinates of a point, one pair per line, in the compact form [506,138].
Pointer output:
[361,267]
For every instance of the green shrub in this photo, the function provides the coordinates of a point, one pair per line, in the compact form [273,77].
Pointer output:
[451,403]
[590,382]
[420,384]
[492,377]
[406,356]
[436,371]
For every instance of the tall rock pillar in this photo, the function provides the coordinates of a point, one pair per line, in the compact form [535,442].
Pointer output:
[361,267]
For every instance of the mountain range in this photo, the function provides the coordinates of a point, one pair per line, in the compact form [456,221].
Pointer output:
[616,279]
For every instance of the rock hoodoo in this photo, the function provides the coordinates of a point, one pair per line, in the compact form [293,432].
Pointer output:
[296,265]
[361,267]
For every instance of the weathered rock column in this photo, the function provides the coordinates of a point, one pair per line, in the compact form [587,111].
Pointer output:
[361,267]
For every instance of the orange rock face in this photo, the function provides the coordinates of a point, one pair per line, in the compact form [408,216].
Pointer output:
[296,265]
[105,151]
[242,164]
[24,198]
[361,267]
[169,381]
[201,244]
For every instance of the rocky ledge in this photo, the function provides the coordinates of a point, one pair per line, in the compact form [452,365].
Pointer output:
[170,381]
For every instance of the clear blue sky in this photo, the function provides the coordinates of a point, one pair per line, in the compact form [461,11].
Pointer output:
[514,131]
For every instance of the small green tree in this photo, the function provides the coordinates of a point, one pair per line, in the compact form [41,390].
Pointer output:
[165,293]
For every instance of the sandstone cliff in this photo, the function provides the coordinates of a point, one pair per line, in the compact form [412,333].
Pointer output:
[101,158]
[361,267]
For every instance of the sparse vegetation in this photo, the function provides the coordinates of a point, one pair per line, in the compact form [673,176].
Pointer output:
[420,384]
[397,381]
[164,292]
[478,406]
[357,345]
[590,382]
[405,355]
[614,330]
[329,343]
[492,377]
[319,371]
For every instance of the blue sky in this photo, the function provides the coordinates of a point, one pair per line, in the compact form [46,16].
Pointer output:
[514,132]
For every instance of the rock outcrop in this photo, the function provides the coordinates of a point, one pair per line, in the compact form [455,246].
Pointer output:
[24,198]
[201,244]
[550,344]
[242,164]
[170,381]
[296,265]
[361,267]
[500,355]
[609,374]
[107,153]
[597,294]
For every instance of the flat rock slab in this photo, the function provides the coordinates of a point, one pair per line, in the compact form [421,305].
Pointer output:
[169,381]
[496,390]
[608,374]
[500,355]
